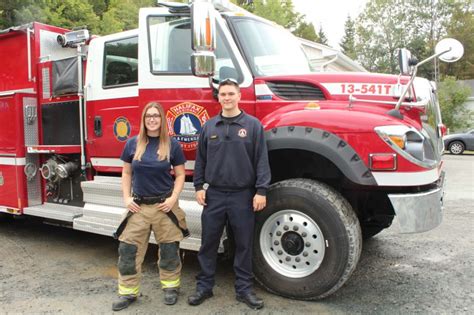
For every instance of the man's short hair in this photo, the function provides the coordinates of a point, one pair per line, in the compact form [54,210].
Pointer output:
[229,81]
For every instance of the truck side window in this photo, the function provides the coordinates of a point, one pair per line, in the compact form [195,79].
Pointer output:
[121,62]
[170,48]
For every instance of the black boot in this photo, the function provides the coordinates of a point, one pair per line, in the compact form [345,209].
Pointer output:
[251,300]
[198,297]
[171,296]
[123,302]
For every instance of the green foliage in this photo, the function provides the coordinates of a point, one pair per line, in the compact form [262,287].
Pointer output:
[100,16]
[322,36]
[348,40]
[452,97]
[462,28]
[386,25]
[278,11]
[10,12]
[381,29]
[282,12]
[306,31]
[70,13]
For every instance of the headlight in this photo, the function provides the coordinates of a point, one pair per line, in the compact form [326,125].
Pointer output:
[408,142]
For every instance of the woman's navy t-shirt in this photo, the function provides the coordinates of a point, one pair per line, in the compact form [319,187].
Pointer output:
[150,176]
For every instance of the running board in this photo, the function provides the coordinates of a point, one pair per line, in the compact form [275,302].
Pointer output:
[54,211]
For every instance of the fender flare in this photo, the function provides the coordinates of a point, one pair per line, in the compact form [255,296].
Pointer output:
[323,143]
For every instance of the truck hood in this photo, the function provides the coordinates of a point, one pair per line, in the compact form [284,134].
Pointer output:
[338,86]
[324,98]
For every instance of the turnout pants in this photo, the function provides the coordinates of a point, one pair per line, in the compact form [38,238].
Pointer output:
[134,243]
[237,208]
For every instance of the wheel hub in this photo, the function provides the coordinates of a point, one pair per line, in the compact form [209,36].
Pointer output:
[292,243]
[456,148]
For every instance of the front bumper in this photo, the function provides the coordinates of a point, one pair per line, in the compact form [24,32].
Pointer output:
[419,212]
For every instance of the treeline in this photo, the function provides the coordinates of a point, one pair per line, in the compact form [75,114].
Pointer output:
[372,38]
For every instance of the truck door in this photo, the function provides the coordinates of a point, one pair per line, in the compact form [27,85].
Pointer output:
[165,74]
[112,98]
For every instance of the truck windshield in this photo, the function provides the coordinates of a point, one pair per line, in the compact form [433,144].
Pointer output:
[270,49]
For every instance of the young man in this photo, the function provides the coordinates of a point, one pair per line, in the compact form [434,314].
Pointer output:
[232,159]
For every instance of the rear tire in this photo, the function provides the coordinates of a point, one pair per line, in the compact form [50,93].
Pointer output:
[307,241]
[456,147]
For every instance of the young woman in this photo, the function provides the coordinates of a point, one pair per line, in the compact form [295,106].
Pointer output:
[151,197]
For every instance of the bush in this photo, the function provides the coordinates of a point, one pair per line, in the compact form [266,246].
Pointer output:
[452,98]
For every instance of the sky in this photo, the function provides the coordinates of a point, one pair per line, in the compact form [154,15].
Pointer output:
[330,14]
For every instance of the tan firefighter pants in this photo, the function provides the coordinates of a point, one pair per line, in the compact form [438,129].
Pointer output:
[134,243]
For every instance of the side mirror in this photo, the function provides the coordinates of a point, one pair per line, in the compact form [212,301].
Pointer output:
[406,61]
[404,56]
[450,50]
[203,63]
[203,39]
[447,50]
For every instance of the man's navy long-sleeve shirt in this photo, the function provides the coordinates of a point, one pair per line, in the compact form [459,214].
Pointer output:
[232,155]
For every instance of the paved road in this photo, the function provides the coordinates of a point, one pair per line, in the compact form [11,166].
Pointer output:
[50,269]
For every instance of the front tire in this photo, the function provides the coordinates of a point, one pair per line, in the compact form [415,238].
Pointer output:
[307,241]
[456,147]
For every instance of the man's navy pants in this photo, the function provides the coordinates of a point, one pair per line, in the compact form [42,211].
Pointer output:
[237,208]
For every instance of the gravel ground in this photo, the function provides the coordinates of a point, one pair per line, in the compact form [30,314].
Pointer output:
[52,269]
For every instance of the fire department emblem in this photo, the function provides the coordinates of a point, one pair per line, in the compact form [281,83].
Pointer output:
[242,133]
[185,122]
[122,129]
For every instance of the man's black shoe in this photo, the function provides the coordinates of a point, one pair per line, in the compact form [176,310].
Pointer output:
[171,296]
[123,302]
[251,300]
[198,297]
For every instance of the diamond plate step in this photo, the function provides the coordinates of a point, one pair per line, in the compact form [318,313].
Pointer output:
[107,190]
[54,211]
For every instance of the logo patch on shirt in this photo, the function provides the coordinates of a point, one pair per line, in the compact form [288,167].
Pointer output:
[242,133]
[122,129]
[185,122]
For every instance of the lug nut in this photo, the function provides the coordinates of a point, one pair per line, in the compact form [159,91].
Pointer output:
[304,234]
[276,243]
[278,233]
[307,244]
[305,254]
[286,228]
[298,259]
[280,252]
[295,228]
[287,258]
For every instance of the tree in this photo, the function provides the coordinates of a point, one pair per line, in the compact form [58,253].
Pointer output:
[462,29]
[63,13]
[322,36]
[386,25]
[10,12]
[281,12]
[381,29]
[278,11]
[452,99]
[348,40]
[70,14]
[306,31]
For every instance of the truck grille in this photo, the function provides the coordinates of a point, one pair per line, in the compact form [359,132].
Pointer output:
[296,91]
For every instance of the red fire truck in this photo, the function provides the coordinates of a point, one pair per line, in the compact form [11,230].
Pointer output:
[348,151]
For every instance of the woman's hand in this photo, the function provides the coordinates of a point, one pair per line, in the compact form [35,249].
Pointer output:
[131,205]
[168,204]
